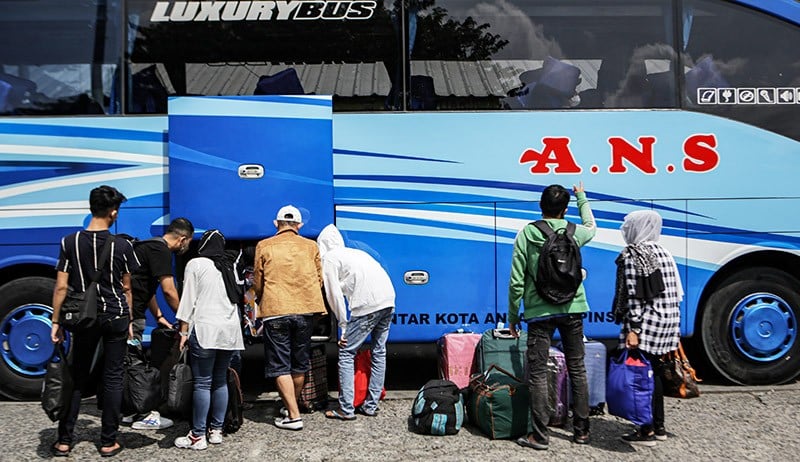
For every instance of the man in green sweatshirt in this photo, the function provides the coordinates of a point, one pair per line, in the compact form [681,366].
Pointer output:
[544,318]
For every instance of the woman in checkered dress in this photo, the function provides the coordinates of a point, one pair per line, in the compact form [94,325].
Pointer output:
[647,303]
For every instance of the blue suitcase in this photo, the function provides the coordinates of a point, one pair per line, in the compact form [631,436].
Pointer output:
[595,360]
[596,363]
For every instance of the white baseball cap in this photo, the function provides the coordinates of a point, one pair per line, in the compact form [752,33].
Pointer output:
[289,213]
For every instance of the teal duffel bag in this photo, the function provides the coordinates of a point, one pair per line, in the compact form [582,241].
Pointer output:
[499,404]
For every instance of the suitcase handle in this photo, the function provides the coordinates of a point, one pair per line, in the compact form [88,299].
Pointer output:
[502,333]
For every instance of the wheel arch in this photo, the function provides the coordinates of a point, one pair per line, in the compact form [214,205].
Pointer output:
[22,268]
[780,260]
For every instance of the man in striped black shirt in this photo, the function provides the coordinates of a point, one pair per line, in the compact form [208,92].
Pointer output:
[77,263]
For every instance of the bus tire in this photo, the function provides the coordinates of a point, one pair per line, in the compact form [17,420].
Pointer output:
[25,346]
[749,327]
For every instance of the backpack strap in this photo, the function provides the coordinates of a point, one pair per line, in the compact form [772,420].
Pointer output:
[542,226]
[106,253]
[570,229]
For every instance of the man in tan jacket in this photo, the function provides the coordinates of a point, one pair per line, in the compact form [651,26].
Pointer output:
[288,287]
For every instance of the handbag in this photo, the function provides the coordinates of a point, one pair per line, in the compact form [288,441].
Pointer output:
[179,387]
[79,309]
[58,386]
[499,404]
[629,391]
[141,392]
[678,376]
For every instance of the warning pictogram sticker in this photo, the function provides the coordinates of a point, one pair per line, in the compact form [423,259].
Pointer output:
[746,95]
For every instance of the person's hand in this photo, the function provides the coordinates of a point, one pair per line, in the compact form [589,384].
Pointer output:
[578,188]
[342,342]
[632,341]
[182,344]
[56,333]
[514,331]
[130,331]
[163,321]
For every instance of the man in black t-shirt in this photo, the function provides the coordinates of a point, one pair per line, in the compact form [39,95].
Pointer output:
[155,270]
[77,263]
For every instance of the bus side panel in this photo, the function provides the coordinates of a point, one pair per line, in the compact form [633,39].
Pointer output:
[458,262]
[235,161]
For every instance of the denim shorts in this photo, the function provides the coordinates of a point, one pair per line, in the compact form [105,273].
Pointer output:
[286,344]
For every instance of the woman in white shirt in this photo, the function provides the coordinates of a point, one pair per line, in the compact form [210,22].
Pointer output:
[210,324]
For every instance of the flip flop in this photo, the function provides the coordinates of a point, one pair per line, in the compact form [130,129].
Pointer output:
[111,453]
[58,452]
[337,414]
[362,411]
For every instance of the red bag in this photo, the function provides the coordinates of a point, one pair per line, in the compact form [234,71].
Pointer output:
[362,366]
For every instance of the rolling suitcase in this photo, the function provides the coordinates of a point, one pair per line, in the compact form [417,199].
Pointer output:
[457,357]
[498,347]
[557,387]
[595,360]
[314,395]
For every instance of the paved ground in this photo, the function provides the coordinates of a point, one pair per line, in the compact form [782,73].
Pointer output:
[730,423]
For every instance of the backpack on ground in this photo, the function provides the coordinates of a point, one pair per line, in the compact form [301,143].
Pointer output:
[234,414]
[438,408]
[558,273]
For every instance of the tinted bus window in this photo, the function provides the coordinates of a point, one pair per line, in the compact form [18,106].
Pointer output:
[346,49]
[742,64]
[527,54]
[59,56]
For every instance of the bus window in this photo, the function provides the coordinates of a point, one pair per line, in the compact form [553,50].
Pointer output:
[742,64]
[63,58]
[345,49]
[526,54]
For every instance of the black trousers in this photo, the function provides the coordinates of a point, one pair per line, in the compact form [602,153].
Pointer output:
[658,392]
[112,330]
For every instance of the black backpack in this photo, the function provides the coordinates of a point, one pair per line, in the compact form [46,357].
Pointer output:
[558,273]
[233,415]
[438,408]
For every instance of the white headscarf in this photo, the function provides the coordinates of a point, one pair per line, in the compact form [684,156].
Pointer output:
[641,226]
[645,226]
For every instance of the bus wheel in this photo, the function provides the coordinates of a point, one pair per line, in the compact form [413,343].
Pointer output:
[749,327]
[25,345]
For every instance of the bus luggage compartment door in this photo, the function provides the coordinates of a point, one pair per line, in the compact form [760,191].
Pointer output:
[234,161]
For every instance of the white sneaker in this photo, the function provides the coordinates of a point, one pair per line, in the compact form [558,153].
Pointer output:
[190,441]
[128,419]
[215,436]
[289,424]
[284,412]
[153,421]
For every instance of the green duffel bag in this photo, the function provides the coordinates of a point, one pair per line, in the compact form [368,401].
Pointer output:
[499,404]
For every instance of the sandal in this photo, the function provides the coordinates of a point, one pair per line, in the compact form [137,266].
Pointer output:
[362,411]
[58,452]
[337,414]
[112,452]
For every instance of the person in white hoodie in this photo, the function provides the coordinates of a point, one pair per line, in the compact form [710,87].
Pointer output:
[353,273]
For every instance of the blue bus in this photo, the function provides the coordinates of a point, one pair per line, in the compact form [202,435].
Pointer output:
[426,130]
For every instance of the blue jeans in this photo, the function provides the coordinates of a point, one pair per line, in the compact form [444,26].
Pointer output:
[286,345]
[358,329]
[209,370]
[539,335]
